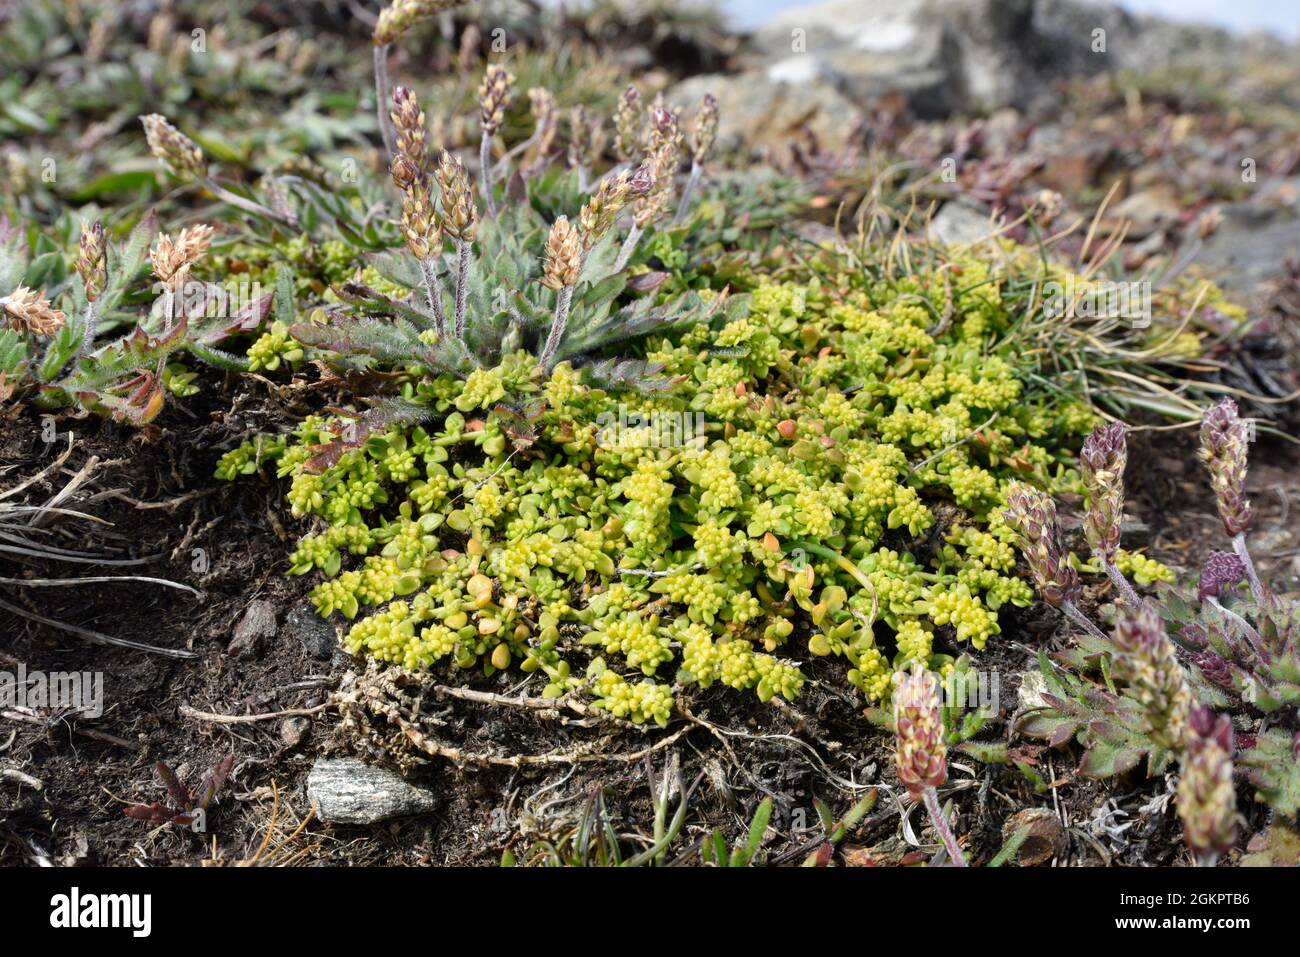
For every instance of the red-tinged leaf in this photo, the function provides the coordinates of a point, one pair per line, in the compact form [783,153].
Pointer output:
[177,791]
[354,435]
[647,281]
[215,781]
[1062,733]
[156,813]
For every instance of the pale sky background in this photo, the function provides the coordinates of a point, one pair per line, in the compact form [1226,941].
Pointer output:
[1279,16]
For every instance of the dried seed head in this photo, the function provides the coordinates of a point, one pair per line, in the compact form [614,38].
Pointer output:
[172,259]
[458,212]
[922,756]
[1209,222]
[1221,570]
[91,264]
[468,53]
[1101,463]
[704,129]
[601,210]
[494,97]
[1047,206]
[412,140]
[541,104]
[399,16]
[26,310]
[582,136]
[404,173]
[1033,515]
[563,256]
[174,149]
[1224,439]
[419,220]
[627,125]
[1207,802]
[1145,658]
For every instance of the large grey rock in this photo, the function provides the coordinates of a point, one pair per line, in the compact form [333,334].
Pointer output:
[1256,239]
[349,791]
[757,111]
[962,55]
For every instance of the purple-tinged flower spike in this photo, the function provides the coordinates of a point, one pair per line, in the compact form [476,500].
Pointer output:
[1224,449]
[1101,463]
[1146,660]
[1221,570]
[1224,438]
[627,125]
[703,134]
[1215,669]
[922,755]
[1224,570]
[1207,802]
[1032,514]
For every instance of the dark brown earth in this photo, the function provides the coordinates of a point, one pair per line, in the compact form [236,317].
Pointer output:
[156,489]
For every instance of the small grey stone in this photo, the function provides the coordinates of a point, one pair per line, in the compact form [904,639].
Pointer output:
[1032,688]
[317,635]
[257,624]
[293,730]
[349,791]
[957,224]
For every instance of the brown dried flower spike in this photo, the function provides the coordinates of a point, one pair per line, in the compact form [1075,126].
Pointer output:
[26,310]
[494,96]
[91,265]
[563,256]
[408,121]
[172,259]
[627,125]
[174,149]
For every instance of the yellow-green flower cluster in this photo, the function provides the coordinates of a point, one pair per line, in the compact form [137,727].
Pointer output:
[273,347]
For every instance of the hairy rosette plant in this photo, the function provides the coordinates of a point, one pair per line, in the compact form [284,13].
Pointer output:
[52,357]
[1179,659]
